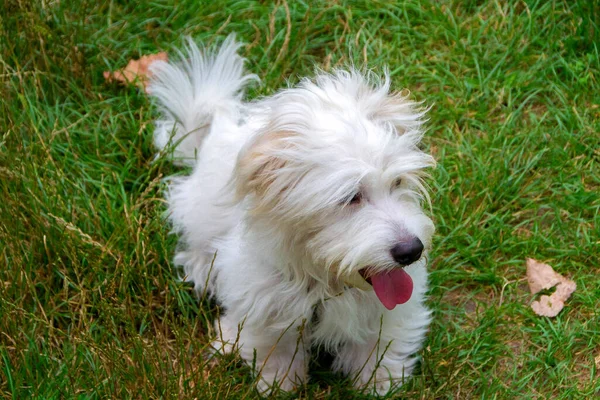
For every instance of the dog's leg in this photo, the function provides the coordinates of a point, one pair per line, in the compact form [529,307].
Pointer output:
[279,357]
[386,359]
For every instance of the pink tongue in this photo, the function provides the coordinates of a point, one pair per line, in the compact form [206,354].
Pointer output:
[392,288]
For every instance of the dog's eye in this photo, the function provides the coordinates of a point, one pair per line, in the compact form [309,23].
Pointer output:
[397,183]
[356,199]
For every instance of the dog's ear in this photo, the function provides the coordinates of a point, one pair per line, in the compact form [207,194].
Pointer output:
[260,166]
[396,108]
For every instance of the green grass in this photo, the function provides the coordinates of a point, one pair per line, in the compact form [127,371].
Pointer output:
[90,306]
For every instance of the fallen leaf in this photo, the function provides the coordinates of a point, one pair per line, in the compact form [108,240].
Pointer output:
[546,306]
[136,71]
[541,276]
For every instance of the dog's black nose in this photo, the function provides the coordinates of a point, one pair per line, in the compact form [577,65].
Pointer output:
[406,253]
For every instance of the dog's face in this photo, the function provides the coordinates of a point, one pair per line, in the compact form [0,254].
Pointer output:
[336,171]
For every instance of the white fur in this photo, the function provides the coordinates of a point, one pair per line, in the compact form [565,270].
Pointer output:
[264,221]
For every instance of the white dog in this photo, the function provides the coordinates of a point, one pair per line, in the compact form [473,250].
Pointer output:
[302,216]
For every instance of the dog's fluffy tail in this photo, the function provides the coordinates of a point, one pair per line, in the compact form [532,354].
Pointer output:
[191,91]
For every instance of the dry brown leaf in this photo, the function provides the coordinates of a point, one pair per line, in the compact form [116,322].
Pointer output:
[541,276]
[136,71]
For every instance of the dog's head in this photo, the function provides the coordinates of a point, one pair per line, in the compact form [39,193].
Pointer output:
[336,171]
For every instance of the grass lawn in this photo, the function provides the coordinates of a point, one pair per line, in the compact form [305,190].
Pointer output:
[90,304]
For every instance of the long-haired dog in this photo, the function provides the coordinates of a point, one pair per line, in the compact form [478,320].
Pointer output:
[302,216]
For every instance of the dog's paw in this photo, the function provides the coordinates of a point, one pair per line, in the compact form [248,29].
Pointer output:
[270,388]
[383,381]
[282,375]
[227,338]
[376,387]
[269,384]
